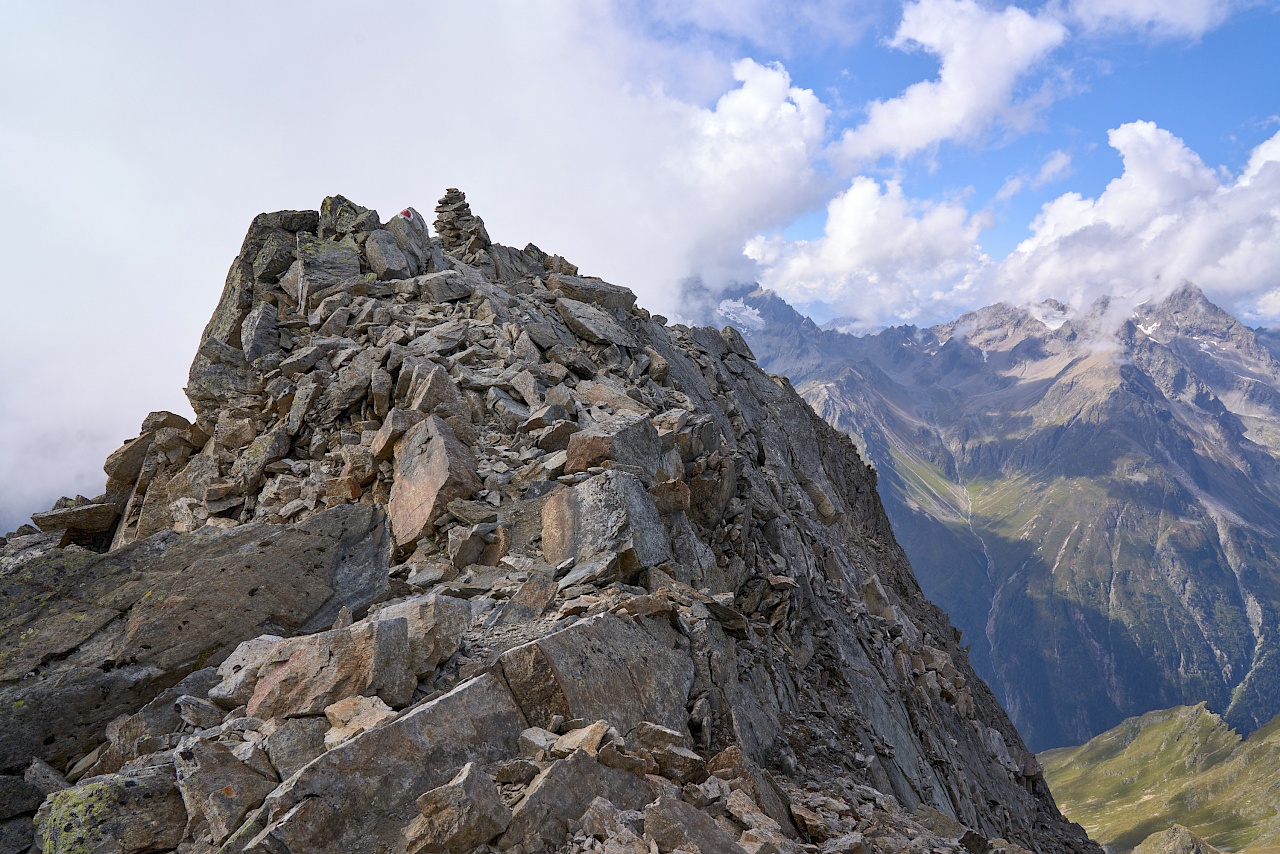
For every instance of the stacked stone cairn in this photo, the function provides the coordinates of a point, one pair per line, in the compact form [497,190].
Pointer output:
[465,551]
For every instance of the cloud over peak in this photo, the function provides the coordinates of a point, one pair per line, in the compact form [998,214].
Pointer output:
[1168,218]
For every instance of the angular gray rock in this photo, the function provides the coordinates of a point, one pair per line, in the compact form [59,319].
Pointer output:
[385,256]
[595,291]
[603,668]
[459,816]
[436,624]
[260,334]
[624,440]
[217,788]
[114,814]
[367,787]
[99,635]
[325,264]
[562,793]
[432,469]
[303,675]
[672,824]
[92,518]
[609,513]
[591,323]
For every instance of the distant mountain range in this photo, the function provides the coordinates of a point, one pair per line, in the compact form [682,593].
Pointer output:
[1183,765]
[1095,500]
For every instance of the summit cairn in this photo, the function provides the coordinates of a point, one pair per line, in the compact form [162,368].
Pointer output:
[467,551]
[462,233]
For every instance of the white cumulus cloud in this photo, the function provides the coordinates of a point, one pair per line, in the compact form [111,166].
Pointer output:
[983,54]
[1167,219]
[883,257]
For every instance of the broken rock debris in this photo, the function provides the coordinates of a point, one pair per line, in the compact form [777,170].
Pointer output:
[464,550]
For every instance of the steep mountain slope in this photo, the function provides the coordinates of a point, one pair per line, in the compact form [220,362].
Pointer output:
[1183,765]
[1098,510]
[467,550]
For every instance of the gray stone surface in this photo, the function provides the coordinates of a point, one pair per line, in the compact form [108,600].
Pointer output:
[99,635]
[303,675]
[114,814]
[368,786]
[604,668]
[462,814]
[385,256]
[609,513]
[432,469]
[592,324]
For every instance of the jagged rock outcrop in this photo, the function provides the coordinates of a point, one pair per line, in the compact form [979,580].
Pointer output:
[639,596]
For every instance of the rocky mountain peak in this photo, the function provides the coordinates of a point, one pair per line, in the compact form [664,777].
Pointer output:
[467,550]
[1031,467]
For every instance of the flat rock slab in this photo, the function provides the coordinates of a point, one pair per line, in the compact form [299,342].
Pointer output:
[603,668]
[592,324]
[595,291]
[87,637]
[92,518]
[611,512]
[361,795]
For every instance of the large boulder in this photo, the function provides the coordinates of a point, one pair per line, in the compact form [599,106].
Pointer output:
[217,788]
[603,668]
[627,440]
[595,291]
[303,675]
[432,469]
[361,795]
[591,323]
[562,793]
[436,626]
[458,816]
[609,513]
[86,637]
[114,814]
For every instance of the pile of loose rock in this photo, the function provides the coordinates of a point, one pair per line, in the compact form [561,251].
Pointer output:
[464,549]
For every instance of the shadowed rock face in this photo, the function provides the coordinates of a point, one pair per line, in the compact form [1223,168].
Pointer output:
[1098,510]
[696,608]
[86,637]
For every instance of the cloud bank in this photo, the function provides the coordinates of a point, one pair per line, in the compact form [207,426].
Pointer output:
[1167,219]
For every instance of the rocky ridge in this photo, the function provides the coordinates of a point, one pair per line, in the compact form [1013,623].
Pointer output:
[466,551]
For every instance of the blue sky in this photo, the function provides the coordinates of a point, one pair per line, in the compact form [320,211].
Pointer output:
[878,160]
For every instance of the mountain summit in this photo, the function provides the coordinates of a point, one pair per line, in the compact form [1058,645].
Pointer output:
[1096,501]
[466,551]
